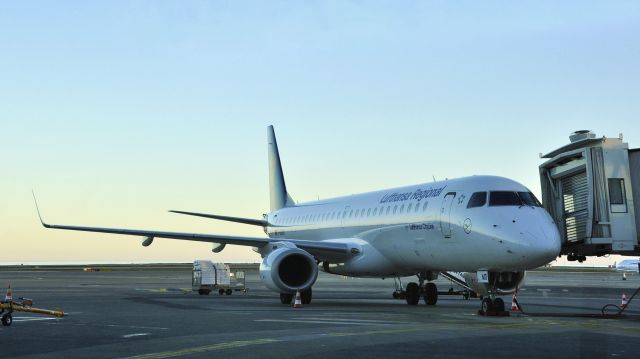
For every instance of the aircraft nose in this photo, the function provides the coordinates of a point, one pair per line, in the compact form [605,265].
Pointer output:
[547,244]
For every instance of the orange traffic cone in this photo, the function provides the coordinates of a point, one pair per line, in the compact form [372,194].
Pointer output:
[298,302]
[514,303]
[9,296]
[625,301]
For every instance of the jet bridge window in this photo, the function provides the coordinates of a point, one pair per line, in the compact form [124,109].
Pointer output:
[477,199]
[617,195]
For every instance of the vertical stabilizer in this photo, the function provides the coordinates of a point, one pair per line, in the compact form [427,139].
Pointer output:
[277,189]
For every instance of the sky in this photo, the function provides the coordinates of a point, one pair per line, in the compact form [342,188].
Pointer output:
[115,112]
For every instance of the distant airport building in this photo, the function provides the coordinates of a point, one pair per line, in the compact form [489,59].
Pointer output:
[591,187]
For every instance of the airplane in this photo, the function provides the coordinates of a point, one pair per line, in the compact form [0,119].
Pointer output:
[627,266]
[487,229]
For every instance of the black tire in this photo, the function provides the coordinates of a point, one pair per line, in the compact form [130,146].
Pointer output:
[498,305]
[486,305]
[412,294]
[306,295]
[286,298]
[7,319]
[430,294]
[220,291]
[229,291]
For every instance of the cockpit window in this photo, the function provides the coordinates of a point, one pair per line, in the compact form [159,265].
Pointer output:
[477,199]
[529,199]
[508,198]
[504,198]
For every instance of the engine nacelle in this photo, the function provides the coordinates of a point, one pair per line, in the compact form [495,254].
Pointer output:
[501,282]
[287,269]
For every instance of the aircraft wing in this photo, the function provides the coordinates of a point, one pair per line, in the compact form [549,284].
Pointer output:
[322,250]
[251,221]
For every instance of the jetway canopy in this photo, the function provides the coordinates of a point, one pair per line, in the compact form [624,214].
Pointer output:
[591,188]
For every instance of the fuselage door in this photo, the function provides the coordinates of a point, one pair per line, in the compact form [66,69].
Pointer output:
[445,214]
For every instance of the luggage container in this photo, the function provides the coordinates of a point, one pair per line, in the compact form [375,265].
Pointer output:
[209,276]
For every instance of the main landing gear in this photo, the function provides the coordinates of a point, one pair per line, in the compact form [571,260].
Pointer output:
[413,292]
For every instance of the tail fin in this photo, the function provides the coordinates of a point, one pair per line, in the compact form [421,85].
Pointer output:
[277,189]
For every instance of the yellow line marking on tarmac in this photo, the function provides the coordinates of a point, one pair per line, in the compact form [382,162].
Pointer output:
[204,349]
[451,325]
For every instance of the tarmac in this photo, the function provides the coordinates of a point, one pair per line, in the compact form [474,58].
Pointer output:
[141,313]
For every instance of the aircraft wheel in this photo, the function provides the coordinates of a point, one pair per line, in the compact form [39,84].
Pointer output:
[286,298]
[412,294]
[306,296]
[229,291]
[486,305]
[430,294]
[498,305]
[7,319]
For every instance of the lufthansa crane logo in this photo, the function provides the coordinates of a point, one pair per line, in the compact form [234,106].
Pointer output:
[467,226]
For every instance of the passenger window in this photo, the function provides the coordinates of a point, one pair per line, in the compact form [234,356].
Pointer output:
[351,214]
[368,212]
[477,199]
[395,208]
[417,207]
[344,215]
[375,211]
[402,209]
[388,209]
[362,213]
[424,206]
[409,207]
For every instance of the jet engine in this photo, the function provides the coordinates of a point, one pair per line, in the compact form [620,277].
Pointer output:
[500,282]
[287,269]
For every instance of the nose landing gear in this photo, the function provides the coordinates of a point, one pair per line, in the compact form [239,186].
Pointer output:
[492,307]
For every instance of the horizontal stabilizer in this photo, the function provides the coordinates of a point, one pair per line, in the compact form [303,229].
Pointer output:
[253,222]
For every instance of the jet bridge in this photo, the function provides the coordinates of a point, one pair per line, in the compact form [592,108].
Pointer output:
[591,188]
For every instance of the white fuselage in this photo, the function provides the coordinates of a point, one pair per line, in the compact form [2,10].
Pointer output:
[426,227]
[628,265]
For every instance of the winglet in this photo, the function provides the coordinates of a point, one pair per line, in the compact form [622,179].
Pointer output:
[38,210]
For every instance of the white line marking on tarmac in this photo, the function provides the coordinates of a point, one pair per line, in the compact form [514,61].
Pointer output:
[545,292]
[127,336]
[313,321]
[31,319]
[352,320]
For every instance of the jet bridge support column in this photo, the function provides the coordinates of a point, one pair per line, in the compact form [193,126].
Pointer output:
[591,188]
